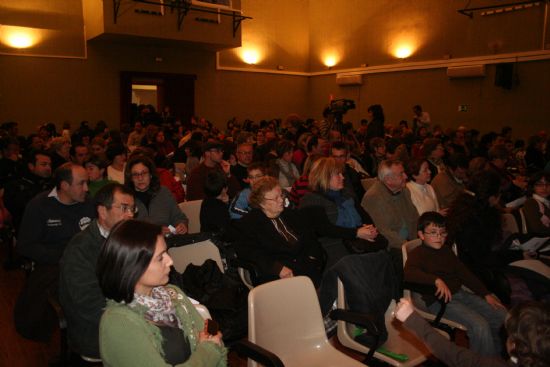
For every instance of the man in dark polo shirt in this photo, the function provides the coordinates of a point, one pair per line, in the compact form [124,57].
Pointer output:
[50,220]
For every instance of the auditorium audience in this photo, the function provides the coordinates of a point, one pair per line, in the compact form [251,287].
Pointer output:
[284,241]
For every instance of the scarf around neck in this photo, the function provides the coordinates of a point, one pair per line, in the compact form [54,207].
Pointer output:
[159,308]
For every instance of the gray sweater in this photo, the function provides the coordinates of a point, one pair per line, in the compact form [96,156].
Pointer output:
[163,209]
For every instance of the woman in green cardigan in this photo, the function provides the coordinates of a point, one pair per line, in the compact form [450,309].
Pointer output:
[146,322]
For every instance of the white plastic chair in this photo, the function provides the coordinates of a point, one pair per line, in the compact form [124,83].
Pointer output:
[196,254]
[192,209]
[509,224]
[400,340]
[523,221]
[284,317]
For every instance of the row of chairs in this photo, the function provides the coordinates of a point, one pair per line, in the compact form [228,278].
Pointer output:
[286,326]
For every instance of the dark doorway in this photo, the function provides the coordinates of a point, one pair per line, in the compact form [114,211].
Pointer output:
[176,91]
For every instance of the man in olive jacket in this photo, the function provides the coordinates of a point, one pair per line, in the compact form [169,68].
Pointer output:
[79,292]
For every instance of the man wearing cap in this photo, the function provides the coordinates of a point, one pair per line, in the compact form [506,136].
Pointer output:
[212,160]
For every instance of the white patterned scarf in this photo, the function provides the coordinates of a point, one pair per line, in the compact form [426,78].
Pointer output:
[159,307]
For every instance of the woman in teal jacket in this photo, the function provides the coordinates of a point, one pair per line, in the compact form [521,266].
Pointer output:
[147,323]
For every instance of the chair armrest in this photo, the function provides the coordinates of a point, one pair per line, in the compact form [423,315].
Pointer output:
[252,269]
[245,348]
[361,319]
[428,289]
[419,288]
[357,318]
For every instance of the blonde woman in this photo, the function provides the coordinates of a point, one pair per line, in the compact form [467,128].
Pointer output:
[326,182]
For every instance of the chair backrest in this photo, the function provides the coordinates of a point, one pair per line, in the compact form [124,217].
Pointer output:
[196,253]
[509,224]
[408,247]
[284,317]
[523,222]
[192,209]
[179,167]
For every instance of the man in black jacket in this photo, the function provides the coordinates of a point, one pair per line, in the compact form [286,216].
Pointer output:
[20,191]
[79,291]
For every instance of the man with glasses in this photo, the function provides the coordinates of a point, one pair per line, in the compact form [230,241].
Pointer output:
[352,178]
[244,158]
[79,291]
[212,160]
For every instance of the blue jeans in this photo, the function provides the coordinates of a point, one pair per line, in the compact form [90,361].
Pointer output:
[482,320]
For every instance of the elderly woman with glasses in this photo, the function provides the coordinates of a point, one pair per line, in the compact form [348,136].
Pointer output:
[155,203]
[282,242]
[326,182]
[146,322]
[537,207]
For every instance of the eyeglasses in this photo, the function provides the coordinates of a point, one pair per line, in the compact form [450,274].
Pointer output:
[277,198]
[542,184]
[245,153]
[436,234]
[255,177]
[139,174]
[126,208]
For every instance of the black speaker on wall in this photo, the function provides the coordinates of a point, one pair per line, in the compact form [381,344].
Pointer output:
[504,75]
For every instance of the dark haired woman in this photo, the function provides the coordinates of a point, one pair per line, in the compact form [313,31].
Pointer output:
[155,203]
[147,323]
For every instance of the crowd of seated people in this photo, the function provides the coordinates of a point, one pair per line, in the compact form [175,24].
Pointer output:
[294,201]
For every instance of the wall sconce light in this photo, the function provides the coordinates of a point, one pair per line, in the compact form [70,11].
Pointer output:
[18,37]
[330,61]
[251,57]
[403,51]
